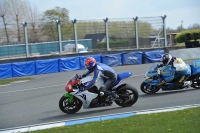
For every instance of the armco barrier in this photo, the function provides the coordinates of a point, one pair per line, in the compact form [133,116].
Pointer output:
[69,64]
[132,58]
[112,59]
[23,68]
[153,56]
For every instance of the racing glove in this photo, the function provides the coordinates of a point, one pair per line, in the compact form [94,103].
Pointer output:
[80,76]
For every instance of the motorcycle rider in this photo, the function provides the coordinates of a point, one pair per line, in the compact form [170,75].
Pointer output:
[103,70]
[180,66]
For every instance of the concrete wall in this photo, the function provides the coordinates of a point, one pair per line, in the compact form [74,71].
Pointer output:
[185,54]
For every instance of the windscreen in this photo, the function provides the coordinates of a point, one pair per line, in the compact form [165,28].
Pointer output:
[153,69]
[73,78]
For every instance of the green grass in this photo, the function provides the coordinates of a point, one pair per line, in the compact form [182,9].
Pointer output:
[7,81]
[182,121]
[180,44]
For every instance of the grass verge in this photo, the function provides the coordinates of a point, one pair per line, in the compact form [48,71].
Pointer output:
[179,44]
[7,81]
[182,121]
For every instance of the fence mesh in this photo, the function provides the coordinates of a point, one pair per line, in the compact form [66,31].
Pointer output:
[150,31]
[121,35]
[92,29]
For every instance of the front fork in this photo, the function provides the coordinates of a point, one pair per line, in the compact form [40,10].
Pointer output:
[149,87]
[70,96]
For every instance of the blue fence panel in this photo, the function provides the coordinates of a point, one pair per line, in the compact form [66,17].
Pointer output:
[23,68]
[10,50]
[46,66]
[44,48]
[82,59]
[5,71]
[69,64]
[132,58]
[153,56]
[112,59]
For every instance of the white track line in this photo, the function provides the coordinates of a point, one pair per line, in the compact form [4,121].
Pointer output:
[31,89]
[41,87]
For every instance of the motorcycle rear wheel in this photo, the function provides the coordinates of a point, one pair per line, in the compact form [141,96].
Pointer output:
[130,92]
[69,108]
[144,88]
[197,84]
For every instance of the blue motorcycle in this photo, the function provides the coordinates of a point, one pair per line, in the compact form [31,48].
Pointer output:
[164,77]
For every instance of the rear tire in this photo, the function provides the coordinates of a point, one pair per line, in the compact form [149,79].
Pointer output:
[144,88]
[197,84]
[132,98]
[69,108]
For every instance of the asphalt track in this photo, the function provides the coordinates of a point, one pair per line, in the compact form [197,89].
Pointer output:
[36,101]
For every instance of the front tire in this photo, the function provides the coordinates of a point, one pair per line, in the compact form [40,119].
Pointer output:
[131,96]
[145,88]
[70,108]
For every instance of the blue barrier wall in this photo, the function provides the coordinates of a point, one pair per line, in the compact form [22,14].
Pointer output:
[132,58]
[69,64]
[153,56]
[46,66]
[75,63]
[112,59]
[23,68]
[5,71]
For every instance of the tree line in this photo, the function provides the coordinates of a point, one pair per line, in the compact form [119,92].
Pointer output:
[14,12]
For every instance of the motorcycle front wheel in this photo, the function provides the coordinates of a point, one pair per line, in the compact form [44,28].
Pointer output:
[70,107]
[145,88]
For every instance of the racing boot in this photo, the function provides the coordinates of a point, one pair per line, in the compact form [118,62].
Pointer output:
[111,98]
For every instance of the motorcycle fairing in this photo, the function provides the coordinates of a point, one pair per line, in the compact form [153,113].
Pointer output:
[85,96]
[167,73]
[152,71]
[86,80]
[121,76]
[195,67]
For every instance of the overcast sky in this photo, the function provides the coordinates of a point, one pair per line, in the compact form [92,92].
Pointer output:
[187,11]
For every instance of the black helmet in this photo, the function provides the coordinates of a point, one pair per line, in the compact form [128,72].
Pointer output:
[166,59]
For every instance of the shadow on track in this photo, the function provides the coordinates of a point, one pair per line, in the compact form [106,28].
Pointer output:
[162,93]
